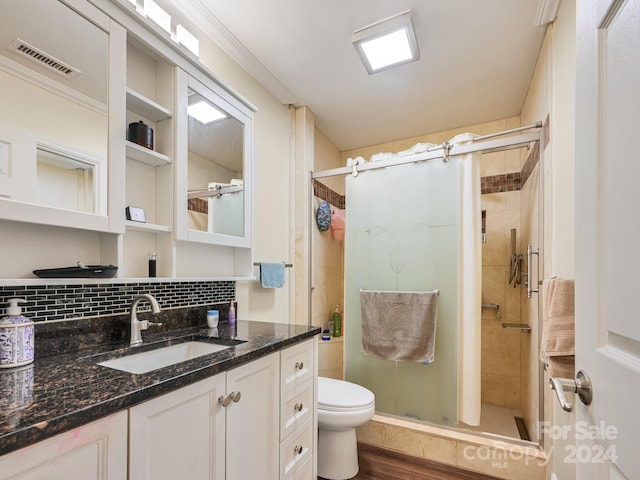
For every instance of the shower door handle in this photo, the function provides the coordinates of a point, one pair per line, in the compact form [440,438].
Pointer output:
[530,253]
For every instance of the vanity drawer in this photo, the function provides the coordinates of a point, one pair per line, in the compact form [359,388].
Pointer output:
[296,407]
[296,365]
[296,450]
[305,472]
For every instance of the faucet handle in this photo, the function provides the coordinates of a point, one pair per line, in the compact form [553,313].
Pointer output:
[154,324]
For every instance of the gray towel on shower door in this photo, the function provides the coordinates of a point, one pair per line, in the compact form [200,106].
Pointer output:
[399,326]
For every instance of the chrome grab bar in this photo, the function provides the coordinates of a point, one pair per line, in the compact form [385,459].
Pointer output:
[530,253]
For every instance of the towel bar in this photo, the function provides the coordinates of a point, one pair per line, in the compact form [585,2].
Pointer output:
[286,265]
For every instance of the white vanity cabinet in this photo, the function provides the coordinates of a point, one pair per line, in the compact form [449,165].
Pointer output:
[97,450]
[298,405]
[180,434]
[252,421]
[224,427]
[256,421]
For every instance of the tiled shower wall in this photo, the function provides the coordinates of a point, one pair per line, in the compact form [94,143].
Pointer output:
[500,364]
[509,376]
[327,260]
[69,302]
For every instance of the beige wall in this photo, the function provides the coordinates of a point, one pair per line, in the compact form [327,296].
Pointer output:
[272,186]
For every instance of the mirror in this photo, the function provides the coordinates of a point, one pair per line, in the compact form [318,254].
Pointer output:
[54,80]
[66,180]
[216,145]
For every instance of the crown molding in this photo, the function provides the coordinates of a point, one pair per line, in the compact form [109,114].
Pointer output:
[24,73]
[208,23]
[547,12]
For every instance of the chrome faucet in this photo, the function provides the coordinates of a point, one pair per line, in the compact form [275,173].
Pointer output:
[138,325]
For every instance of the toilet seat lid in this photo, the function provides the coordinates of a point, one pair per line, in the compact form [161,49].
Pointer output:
[338,394]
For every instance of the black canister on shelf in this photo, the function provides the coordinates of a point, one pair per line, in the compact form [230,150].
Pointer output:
[140,133]
[152,264]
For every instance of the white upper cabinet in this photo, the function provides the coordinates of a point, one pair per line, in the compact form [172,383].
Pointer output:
[56,93]
[213,171]
[74,76]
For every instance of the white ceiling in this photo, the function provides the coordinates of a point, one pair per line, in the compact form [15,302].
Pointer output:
[477,59]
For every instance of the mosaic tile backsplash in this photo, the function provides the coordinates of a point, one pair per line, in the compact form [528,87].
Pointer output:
[325,193]
[65,302]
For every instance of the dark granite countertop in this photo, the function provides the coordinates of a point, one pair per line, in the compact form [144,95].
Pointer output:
[61,392]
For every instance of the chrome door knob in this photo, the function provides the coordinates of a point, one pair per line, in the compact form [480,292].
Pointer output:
[580,385]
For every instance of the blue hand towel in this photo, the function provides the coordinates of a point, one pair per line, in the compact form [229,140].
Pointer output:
[272,274]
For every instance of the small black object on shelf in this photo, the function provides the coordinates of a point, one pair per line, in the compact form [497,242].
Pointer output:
[80,271]
[141,133]
[135,214]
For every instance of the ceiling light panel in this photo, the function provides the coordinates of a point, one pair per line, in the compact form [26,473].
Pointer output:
[387,43]
[204,113]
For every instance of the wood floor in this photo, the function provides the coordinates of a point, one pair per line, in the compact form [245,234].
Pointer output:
[381,464]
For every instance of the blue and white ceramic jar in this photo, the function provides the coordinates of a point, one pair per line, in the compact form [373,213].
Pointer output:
[16,337]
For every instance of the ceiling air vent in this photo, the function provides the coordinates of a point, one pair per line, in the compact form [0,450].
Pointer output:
[39,56]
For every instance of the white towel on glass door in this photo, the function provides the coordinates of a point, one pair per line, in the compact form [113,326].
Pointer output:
[399,326]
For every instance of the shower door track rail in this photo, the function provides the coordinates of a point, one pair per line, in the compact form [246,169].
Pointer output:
[443,151]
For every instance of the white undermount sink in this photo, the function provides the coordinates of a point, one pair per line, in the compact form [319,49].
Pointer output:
[162,357]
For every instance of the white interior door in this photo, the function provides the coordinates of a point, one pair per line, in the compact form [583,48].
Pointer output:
[608,237]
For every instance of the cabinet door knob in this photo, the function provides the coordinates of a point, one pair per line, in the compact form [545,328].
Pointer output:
[297,407]
[298,449]
[224,400]
[299,365]
[235,396]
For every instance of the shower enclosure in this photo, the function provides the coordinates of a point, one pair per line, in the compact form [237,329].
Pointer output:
[403,234]
[406,231]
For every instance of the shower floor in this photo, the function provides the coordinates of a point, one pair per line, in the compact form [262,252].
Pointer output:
[496,420]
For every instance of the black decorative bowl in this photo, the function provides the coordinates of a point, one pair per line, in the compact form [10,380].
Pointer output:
[84,271]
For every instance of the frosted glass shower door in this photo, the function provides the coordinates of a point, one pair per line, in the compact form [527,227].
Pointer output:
[402,234]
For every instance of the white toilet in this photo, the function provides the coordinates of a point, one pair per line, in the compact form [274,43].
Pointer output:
[342,406]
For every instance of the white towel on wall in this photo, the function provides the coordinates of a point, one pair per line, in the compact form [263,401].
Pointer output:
[399,326]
